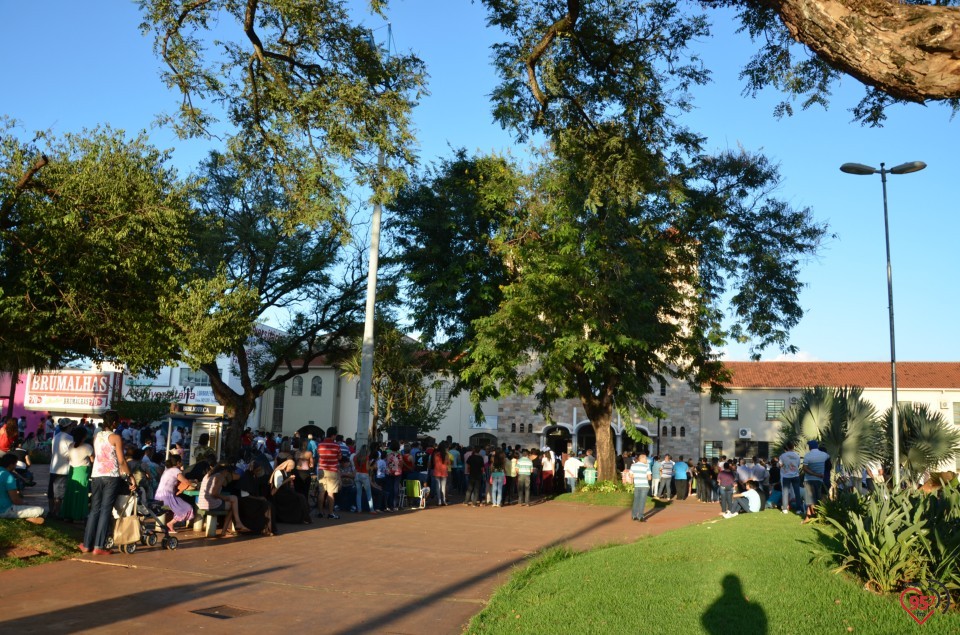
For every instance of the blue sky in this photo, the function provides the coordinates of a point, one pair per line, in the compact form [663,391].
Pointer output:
[69,65]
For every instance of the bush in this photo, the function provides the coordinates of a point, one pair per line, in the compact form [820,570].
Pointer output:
[606,486]
[838,508]
[892,538]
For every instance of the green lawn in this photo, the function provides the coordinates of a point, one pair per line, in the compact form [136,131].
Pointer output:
[749,575]
[53,540]
[607,499]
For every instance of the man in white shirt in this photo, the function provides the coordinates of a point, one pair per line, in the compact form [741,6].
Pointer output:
[814,475]
[747,503]
[59,467]
[571,470]
[790,477]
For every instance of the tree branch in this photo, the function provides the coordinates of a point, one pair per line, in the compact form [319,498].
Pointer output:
[18,189]
[910,52]
[563,25]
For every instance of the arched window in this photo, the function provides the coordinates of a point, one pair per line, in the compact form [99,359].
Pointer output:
[673,431]
[297,387]
[522,428]
[683,431]
[316,386]
[664,433]
[513,427]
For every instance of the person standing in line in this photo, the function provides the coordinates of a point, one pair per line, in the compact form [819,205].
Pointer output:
[666,478]
[655,467]
[498,477]
[328,465]
[571,470]
[474,465]
[524,473]
[440,467]
[361,464]
[727,481]
[76,499]
[60,467]
[109,475]
[790,477]
[681,480]
[640,469]
[547,470]
[814,471]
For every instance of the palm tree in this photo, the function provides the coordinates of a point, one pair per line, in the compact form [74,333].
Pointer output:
[841,420]
[926,440]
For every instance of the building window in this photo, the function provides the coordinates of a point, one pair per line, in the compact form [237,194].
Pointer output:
[513,427]
[316,387]
[673,431]
[443,391]
[195,377]
[521,428]
[296,388]
[729,409]
[278,394]
[683,431]
[663,388]
[663,432]
[774,408]
[712,449]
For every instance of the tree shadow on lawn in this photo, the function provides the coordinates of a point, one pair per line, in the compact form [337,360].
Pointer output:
[732,612]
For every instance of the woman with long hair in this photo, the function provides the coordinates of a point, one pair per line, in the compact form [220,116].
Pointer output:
[498,476]
[547,468]
[76,500]
[108,477]
[212,496]
[440,465]
[394,475]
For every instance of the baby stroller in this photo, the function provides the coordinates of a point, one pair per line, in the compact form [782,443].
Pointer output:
[148,523]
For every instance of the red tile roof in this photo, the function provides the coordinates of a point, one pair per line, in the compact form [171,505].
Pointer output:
[864,374]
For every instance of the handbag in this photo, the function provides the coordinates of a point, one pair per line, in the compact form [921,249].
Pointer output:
[126,529]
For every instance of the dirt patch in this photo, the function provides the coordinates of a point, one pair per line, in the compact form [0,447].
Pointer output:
[21,553]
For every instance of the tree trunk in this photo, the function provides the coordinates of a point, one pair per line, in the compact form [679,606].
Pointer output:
[606,448]
[909,52]
[14,380]
[237,409]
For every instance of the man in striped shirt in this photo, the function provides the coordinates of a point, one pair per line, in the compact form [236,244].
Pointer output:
[524,470]
[666,478]
[641,486]
[328,471]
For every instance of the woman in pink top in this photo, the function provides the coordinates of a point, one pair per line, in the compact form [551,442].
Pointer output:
[440,465]
[108,478]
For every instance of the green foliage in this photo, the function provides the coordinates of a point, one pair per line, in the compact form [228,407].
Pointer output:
[926,439]
[94,241]
[143,406]
[608,486]
[894,537]
[611,267]
[844,423]
[400,388]
[840,506]
[54,541]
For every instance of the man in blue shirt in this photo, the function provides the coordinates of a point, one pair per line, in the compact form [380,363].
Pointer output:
[681,481]
[11,503]
[814,469]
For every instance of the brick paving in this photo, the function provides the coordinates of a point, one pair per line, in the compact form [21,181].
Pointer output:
[424,571]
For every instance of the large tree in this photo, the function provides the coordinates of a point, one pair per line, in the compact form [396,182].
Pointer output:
[94,246]
[270,266]
[627,235]
[310,107]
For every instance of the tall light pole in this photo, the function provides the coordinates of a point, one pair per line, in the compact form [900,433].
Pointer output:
[366,353]
[903,168]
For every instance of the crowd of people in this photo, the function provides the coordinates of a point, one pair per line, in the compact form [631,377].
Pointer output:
[292,479]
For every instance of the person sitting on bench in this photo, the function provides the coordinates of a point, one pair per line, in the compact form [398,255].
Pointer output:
[213,498]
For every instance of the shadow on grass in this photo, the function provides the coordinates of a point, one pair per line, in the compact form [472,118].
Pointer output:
[732,612]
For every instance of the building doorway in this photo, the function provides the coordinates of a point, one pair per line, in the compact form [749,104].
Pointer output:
[482,440]
[557,438]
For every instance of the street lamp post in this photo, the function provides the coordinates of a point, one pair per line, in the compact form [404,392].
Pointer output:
[903,168]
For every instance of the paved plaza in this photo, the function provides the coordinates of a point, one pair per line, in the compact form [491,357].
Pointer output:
[424,571]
